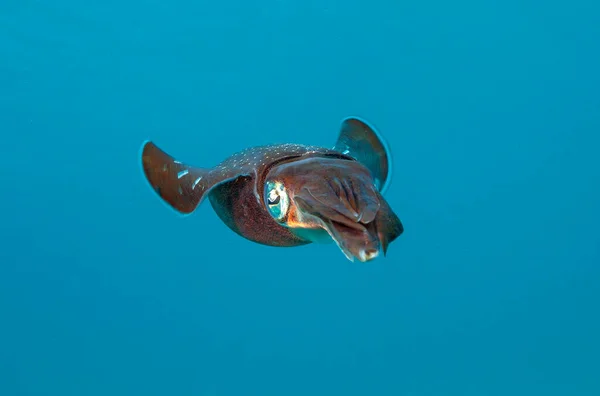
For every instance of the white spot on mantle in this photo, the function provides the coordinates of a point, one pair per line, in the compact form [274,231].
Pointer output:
[196,182]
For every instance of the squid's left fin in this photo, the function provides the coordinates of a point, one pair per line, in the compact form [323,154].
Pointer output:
[361,141]
[181,186]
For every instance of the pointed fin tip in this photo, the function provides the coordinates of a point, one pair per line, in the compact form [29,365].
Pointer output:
[172,180]
[386,147]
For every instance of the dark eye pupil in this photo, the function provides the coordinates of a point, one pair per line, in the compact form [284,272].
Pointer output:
[274,201]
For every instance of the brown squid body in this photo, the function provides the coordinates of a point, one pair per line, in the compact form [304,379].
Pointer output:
[292,194]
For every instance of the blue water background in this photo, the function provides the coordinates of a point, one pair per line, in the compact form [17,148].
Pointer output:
[491,108]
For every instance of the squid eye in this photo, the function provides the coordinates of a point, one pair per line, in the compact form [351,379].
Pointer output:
[277,200]
[273,201]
